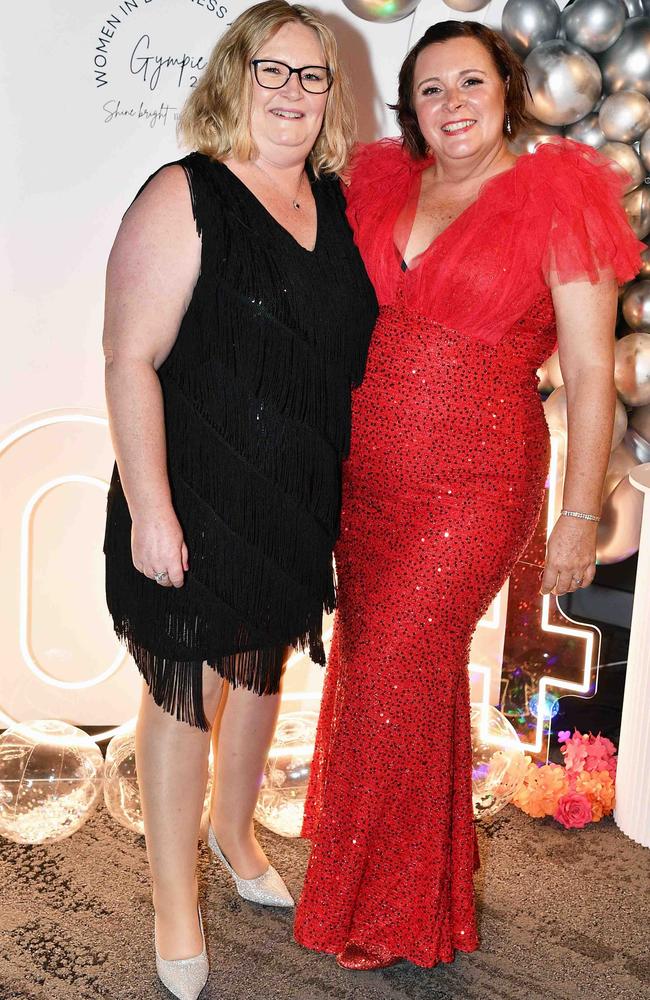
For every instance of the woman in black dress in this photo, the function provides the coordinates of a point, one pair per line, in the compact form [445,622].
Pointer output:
[238,315]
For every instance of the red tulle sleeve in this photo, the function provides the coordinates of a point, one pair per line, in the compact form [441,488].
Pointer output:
[588,235]
[380,181]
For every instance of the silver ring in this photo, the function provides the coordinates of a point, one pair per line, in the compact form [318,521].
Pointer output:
[159,577]
[577,579]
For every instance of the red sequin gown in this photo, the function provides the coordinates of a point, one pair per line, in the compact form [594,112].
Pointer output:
[442,491]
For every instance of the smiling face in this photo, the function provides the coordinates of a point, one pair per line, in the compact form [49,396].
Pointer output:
[285,123]
[458,97]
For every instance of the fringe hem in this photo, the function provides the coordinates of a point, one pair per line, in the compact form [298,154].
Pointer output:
[176,686]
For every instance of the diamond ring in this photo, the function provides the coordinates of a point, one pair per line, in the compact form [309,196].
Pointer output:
[159,577]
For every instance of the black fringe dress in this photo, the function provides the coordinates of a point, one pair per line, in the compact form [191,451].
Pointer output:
[257,417]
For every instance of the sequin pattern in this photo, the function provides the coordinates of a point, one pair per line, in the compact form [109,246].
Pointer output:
[442,491]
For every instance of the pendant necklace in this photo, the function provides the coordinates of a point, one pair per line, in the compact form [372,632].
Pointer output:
[294,200]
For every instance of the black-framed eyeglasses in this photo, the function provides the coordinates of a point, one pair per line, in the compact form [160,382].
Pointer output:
[273,75]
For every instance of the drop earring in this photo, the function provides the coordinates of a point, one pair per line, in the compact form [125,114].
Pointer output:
[508,125]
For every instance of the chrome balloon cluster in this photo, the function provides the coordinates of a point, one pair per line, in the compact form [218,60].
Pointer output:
[589,72]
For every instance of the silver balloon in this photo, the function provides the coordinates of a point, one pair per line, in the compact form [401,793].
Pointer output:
[636,307]
[594,24]
[587,130]
[645,264]
[637,208]
[636,8]
[625,116]
[640,421]
[644,150]
[565,82]
[626,65]
[467,6]
[628,159]
[382,10]
[638,444]
[632,369]
[528,23]
[534,135]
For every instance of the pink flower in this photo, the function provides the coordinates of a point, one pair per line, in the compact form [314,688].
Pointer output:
[564,735]
[573,811]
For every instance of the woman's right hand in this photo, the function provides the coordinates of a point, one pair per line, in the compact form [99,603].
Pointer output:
[158,546]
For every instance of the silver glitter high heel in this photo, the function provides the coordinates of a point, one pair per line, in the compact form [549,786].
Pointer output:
[267,889]
[184,977]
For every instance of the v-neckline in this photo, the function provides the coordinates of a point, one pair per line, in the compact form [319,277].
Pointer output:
[272,218]
[406,266]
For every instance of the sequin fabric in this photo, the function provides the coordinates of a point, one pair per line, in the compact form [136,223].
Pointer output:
[442,491]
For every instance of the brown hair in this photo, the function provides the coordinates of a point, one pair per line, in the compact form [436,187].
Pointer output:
[216,116]
[508,64]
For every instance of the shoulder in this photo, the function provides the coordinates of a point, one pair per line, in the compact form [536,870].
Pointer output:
[378,171]
[571,172]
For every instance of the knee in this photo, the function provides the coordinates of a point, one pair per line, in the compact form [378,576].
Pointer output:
[212,692]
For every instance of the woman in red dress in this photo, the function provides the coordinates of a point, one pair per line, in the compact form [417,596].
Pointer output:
[481,261]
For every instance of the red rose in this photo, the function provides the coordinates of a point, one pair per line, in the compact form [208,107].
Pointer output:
[573,811]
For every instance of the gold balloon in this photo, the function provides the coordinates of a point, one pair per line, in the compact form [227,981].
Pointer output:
[637,209]
[552,372]
[636,306]
[619,530]
[632,368]
[555,411]
[640,421]
[467,6]
[628,159]
[621,460]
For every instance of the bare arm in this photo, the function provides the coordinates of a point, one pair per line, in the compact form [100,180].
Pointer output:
[586,316]
[152,270]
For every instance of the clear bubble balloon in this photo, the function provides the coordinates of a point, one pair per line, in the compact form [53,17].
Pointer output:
[50,781]
[384,11]
[281,803]
[637,209]
[626,65]
[628,160]
[638,445]
[497,770]
[644,149]
[625,116]
[565,82]
[619,530]
[632,368]
[587,130]
[594,24]
[528,23]
[121,788]
[636,306]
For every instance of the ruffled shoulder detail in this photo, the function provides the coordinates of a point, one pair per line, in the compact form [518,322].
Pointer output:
[585,234]
[377,169]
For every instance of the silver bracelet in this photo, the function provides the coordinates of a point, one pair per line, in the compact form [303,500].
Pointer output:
[581,515]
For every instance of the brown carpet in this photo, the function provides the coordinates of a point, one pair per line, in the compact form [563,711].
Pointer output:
[564,916]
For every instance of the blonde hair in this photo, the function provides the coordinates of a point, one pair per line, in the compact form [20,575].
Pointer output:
[216,116]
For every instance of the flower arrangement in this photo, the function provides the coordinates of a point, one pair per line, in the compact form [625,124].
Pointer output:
[577,792]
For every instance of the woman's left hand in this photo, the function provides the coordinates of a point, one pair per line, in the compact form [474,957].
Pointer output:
[570,556]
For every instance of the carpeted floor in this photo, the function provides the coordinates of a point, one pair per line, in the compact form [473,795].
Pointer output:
[564,916]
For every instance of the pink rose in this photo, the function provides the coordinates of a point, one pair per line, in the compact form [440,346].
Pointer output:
[573,811]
